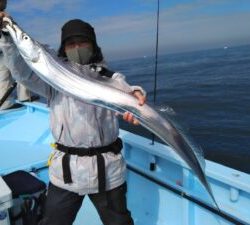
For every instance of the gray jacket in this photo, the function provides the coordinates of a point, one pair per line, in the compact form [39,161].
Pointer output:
[77,124]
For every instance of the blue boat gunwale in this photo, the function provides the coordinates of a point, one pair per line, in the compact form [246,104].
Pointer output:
[233,178]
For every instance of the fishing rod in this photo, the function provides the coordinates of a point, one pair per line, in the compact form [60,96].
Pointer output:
[156,58]
[152,164]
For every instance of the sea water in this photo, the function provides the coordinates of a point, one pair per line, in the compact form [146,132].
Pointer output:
[208,94]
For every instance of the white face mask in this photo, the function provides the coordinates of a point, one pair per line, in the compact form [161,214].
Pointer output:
[81,55]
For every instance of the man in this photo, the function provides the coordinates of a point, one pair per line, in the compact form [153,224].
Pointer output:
[86,158]
[6,81]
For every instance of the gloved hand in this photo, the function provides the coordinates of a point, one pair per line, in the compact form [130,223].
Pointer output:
[129,117]
[2,15]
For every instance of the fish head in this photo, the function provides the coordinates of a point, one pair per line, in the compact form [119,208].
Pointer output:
[27,47]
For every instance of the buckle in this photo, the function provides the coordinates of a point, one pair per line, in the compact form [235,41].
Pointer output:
[53,145]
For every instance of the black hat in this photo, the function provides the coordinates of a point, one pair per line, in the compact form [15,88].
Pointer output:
[76,27]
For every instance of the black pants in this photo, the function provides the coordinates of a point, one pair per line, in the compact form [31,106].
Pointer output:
[62,206]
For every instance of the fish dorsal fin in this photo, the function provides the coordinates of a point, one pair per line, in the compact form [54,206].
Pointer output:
[49,49]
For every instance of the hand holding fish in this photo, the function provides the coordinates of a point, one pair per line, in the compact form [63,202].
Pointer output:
[3,14]
[141,98]
[129,117]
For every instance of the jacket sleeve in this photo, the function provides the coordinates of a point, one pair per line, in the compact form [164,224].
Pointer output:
[20,71]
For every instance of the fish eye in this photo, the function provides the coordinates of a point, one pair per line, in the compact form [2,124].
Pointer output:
[25,37]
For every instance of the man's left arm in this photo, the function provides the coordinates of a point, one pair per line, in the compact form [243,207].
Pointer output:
[137,91]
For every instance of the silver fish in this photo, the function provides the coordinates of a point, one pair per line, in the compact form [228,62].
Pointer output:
[101,92]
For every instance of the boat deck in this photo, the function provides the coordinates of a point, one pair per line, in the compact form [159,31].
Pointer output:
[161,188]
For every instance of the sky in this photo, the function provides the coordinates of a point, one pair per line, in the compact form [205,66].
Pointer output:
[127,29]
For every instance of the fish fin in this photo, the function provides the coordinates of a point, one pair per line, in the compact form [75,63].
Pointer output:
[49,49]
[169,114]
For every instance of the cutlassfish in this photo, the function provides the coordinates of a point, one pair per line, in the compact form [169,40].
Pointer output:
[101,92]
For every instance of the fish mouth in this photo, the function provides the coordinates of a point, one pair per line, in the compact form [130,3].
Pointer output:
[9,25]
[7,21]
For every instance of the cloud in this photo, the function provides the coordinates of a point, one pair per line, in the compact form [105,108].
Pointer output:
[41,5]
[44,30]
[183,26]
[43,19]
[187,27]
